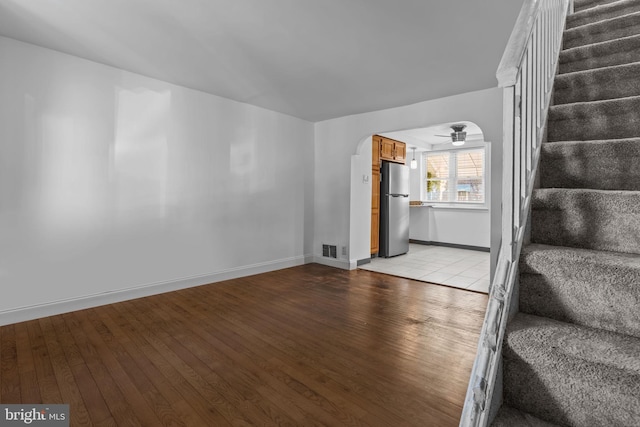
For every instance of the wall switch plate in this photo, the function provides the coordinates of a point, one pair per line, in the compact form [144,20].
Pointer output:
[365,178]
[344,250]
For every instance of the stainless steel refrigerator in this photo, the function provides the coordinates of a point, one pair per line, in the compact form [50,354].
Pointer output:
[394,209]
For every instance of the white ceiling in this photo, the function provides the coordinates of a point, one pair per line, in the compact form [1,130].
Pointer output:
[428,138]
[313,59]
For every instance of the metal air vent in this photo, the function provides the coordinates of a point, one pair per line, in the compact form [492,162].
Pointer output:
[330,251]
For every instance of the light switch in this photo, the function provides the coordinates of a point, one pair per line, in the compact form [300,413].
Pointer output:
[365,178]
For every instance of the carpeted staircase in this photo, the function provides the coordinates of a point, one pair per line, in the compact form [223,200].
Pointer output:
[572,355]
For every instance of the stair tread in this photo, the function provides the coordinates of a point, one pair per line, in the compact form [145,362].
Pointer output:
[621,201]
[594,191]
[590,255]
[571,374]
[512,417]
[566,108]
[558,144]
[579,5]
[573,74]
[600,12]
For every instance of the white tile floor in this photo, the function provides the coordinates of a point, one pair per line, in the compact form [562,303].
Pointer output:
[460,268]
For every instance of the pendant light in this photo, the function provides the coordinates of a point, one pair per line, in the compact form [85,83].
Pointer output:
[414,163]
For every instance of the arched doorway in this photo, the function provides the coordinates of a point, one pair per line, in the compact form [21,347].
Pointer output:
[450,216]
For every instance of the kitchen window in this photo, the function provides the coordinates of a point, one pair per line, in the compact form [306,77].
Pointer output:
[455,176]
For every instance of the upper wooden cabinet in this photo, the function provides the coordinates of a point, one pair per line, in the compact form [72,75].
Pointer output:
[386,149]
[400,153]
[391,150]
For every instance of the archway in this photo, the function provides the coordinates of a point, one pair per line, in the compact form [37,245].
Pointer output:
[459,223]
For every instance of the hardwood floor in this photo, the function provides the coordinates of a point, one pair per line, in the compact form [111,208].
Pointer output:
[305,346]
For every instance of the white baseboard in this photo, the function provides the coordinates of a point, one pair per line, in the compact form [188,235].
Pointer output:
[332,262]
[37,311]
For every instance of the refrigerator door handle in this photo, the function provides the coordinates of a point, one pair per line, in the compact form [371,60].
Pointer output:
[398,195]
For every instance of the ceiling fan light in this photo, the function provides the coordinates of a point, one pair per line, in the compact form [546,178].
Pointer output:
[458,135]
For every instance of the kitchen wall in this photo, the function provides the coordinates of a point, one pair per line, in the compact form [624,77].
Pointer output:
[467,227]
[339,218]
[114,185]
[460,226]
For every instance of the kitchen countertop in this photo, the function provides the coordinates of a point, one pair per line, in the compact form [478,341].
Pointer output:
[418,204]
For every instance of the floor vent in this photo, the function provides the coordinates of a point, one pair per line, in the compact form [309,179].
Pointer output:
[330,251]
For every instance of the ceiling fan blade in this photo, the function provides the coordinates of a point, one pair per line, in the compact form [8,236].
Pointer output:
[445,136]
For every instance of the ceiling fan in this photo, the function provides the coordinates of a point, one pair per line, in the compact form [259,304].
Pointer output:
[458,136]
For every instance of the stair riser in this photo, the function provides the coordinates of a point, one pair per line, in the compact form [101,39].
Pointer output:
[613,29]
[571,296]
[509,417]
[583,230]
[559,390]
[597,165]
[597,85]
[601,13]
[600,221]
[614,119]
[617,52]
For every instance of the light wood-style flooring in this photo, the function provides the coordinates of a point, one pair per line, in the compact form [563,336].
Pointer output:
[305,346]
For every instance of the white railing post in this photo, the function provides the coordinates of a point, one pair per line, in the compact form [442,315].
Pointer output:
[526,75]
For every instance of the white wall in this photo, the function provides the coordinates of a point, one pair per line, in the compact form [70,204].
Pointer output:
[361,195]
[338,139]
[468,227]
[115,185]
[415,180]
[455,225]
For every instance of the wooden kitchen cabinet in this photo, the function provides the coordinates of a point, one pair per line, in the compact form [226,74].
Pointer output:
[400,153]
[376,146]
[375,151]
[381,149]
[375,209]
[393,151]
[375,232]
[387,147]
